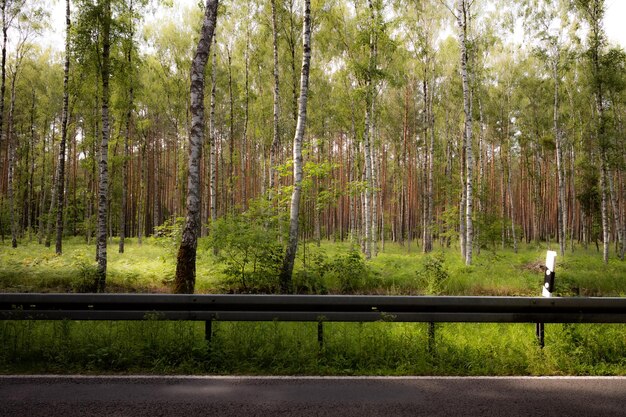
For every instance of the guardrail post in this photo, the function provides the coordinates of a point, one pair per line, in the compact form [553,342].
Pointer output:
[431,337]
[320,334]
[208,330]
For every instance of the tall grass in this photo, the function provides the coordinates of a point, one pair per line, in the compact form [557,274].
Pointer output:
[150,267]
[291,348]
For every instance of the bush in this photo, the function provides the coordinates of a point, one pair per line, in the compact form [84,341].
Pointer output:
[250,252]
[170,233]
[349,272]
[433,274]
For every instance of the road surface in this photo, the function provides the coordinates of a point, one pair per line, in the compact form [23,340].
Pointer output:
[139,396]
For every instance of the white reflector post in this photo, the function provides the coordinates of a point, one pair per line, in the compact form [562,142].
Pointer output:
[548,282]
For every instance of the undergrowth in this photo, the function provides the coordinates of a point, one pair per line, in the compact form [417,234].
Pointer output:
[292,348]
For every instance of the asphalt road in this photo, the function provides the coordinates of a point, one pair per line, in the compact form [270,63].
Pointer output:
[309,396]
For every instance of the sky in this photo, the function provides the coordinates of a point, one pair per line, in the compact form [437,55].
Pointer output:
[614,22]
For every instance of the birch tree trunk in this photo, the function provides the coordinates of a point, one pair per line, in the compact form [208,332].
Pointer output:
[103,184]
[61,167]
[367,137]
[292,244]
[185,279]
[213,138]
[462,17]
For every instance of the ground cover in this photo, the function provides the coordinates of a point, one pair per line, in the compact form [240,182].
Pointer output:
[292,348]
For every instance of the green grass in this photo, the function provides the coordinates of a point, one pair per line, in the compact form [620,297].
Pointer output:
[292,348]
[150,267]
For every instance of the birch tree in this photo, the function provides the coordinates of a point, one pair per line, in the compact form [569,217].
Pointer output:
[593,13]
[103,162]
[185,279]
[292,243]
[462,15]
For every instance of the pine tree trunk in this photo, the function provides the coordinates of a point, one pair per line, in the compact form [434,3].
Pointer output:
[276,113]
[561,208]
[231,136]
[64,118]
[430,122]
[244,136]
[11,174]
[374,157]
[213,138]
[619,231]
[292,245]
[31,180]
[141,216]
[185,278]
[5,28]
[129,115]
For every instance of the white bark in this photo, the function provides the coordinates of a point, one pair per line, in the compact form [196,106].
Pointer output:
[186,259]
[462,17]
[292,244]
[103,183]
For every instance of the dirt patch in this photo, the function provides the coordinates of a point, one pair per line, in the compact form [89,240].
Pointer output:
[535,266]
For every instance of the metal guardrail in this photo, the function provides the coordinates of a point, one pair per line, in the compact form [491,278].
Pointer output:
[19,306]
[310,308]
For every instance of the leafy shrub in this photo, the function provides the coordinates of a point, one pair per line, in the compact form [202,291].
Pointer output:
[170,233]
[85,281]
[250,252]
[433,274]
[310,279]
[350,272]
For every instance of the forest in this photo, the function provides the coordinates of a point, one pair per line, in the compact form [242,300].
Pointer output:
[466,124]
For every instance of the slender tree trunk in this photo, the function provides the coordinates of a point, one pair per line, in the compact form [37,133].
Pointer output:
[231,137]
[64,118]
[129,115]
[352,152]
[619,231]
[11,151]
[604,209]
[430,119]
[276,137]
[186,260]
[367,136]
[374,157]
[481,171]
[213,138]
[462,17]
[103,185]
[141,217]
[31,179]
[561,208]
[244,136]
[292,245]
[42,184]
[5,28]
